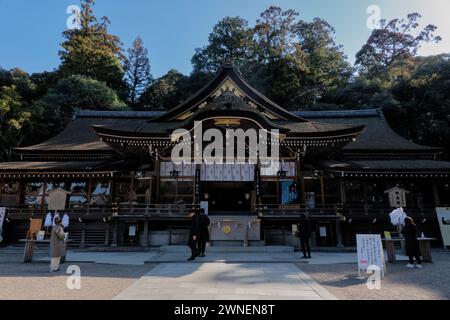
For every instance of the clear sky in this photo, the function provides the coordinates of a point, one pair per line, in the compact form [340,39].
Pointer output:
[30,31]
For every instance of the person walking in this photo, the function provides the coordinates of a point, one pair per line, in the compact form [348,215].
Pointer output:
[57,245]
[304,233]
[412,244]
[204,232]
[194,234]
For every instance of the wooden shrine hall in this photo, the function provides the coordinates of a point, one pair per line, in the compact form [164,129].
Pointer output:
[338,169]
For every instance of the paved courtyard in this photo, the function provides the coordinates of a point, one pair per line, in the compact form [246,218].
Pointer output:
[256,274]
[221,281]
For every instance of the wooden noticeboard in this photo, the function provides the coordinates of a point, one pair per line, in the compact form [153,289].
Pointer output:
[35,227]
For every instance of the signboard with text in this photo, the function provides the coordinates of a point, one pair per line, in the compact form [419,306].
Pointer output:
[443,215]
[370,252]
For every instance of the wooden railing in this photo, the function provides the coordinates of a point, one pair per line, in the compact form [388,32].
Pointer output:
[155,210]
[330,210]
[295,210]
[183,210]
[99,212]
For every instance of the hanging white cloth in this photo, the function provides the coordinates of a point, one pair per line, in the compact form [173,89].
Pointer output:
[48,220]
[65,220]
[398,217]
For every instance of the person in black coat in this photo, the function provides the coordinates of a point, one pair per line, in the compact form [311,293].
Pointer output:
[194,234]
[412,244]
[304,233]
[204,232]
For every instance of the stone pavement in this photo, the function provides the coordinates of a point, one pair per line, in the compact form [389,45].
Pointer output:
[176,254]
[224,281]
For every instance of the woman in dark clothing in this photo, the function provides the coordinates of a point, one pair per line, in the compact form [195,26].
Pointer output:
[194,234]
[412,244]
[204,232]
[304,233]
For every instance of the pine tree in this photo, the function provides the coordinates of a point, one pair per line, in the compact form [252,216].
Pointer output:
[137,71]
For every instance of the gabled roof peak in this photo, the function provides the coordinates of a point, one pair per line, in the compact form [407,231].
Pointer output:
[227,77]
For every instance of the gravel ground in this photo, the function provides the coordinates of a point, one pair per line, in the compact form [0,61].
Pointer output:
[34,281]
[104,281]
[430,283]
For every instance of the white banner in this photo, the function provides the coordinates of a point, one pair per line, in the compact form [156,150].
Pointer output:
[370,252]
[443,215]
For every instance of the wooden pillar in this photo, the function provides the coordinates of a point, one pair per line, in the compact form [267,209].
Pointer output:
[131,187]
[157,175]
[437,200]
[278,191]
[44,192]
[145,235]
[300,182]
[342,191]
[338,233]
[20,197]
[322,191]
[115,234]
[107,235]
[83,236]
[366,208]
[89,193]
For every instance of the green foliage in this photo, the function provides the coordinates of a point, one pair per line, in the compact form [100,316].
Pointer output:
[171,89]
[81,92]
[92,51]
[292,61]
[230,41]
[395,40]
[13,116]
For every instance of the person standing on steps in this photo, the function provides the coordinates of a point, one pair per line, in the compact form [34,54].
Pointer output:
[304,234]
[412,244]
[204,232]
[194,234]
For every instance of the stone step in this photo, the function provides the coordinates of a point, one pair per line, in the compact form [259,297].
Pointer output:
[225,249]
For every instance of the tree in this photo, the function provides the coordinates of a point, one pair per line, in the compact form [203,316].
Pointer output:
[137,71]
[73,93]
[275,37]
[164,93]
[230,41]
[394,40]
[326,66]
[13,116]
[91,51]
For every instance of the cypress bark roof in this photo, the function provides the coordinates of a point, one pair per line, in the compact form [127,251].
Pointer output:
[79,137]
[377,135]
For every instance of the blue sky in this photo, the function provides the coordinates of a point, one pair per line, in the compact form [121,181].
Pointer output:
[30,31]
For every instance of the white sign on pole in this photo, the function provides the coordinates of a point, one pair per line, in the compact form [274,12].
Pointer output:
[204,205]
[370,252]
[443,215]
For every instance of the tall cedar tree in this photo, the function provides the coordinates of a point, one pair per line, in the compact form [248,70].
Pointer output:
[91,51]
[137,71]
